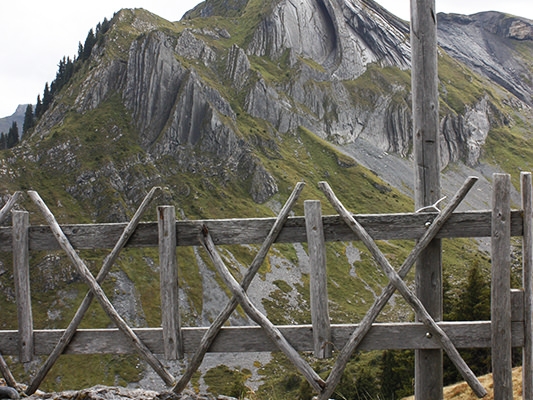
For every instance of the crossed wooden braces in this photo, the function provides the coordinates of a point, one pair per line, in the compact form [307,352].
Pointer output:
[95,291]
[324,388]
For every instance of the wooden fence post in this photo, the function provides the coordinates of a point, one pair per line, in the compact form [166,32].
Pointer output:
[527,282]
[425,99]
[170,314]
[501,288]
[21,274]
[318,279]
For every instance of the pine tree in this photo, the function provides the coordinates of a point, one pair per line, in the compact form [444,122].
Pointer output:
[80,51]
[29,119]
[38,107]
[472,304]
[475,297]
[90,41]
[13,135]
[47,98]
[397,373]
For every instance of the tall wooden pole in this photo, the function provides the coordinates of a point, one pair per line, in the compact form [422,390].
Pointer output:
[527,281]
[500,304]
[428,363]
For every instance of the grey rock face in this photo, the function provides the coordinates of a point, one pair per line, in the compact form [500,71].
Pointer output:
[263,185]
[465,135]
[352,35]
[487,43]
[238,67]
[153,79]
[18,117]
[322,47]
[190,47]
[119,393]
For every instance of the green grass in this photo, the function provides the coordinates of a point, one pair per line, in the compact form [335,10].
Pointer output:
[511,150]
[223,380]
[376,82]
[108,370]
[460,87]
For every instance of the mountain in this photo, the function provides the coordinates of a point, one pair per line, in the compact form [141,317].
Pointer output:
[17,116]
[231,106]
[492,44]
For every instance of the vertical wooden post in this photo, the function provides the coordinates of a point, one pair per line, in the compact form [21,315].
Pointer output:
[527,281]
[428,363]
[170,316]
[21,274]
[501,288]
[318,279]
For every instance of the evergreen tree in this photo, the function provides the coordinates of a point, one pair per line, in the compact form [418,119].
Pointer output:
[3,141]
[47,98]
[474,300]
[13,135]
[64,73]
[80,51]
[69,69]
[90,41]
[106,24]
[29,119]
[397,373]
[38,107]
[472,304]
[101,30]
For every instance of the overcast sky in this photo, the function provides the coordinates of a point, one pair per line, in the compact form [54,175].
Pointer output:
[36,34]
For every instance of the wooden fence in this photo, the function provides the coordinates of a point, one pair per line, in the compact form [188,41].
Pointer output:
[510,325]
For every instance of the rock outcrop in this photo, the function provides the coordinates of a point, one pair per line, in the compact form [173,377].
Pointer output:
[491,44]
[120,393]
[186,90]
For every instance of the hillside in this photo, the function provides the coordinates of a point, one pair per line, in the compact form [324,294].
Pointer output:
[227,109]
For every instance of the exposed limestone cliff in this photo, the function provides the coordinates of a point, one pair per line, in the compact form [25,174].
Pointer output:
[328,55]
[494,45]
[352,35]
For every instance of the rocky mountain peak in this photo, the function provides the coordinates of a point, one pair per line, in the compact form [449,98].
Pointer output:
[504,25]
[497,23]
[492,44]
[17,116]
[209,91]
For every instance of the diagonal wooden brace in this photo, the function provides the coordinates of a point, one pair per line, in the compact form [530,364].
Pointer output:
[67,336]
[9,205]
[397,283]
[217,324]
[6,373]
[272,332]
[100,295]
[4,368]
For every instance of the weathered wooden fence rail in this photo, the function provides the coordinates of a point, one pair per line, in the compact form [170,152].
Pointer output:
[511,324]
[474,224]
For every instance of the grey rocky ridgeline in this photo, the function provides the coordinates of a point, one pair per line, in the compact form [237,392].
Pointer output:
[323,47]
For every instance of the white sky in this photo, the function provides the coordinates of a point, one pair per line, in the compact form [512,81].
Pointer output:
[36,34]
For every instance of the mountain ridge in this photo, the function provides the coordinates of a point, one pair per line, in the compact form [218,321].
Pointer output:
[493,54]
[18,117]
[227,112]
